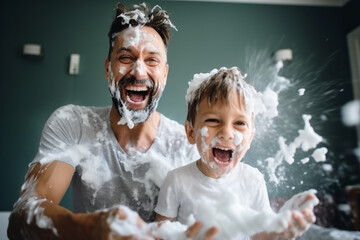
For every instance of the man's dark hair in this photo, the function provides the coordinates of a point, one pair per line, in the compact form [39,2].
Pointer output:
[140,15]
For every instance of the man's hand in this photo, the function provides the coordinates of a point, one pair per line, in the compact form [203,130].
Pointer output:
[121,223]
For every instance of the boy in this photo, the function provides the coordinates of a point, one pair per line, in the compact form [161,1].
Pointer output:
[220,121]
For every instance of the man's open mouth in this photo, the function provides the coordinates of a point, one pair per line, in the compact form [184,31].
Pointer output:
[222,155]
[137,94]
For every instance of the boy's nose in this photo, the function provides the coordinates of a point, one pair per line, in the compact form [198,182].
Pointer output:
[139,70]
[226,132]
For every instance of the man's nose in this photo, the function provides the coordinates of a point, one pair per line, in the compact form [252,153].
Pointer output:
[139,70]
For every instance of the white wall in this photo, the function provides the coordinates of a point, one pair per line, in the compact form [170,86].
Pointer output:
[4,220]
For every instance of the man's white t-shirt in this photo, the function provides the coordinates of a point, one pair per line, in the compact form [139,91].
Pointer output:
[104,174]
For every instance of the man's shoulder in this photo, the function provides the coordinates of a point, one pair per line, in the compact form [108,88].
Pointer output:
[171,123]
[70,110]
[79,108]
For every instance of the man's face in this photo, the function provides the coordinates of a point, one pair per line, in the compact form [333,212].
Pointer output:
[137,73]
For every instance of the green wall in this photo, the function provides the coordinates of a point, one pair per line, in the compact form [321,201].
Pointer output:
[211,35]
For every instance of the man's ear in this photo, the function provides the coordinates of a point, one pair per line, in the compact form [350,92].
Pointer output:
[190,132]
[166,73]
[106,68]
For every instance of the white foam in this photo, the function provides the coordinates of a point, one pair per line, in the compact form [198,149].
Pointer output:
[301,91]
[351,113]
[233,218]
[320,154]
[30,203]
[127,226]
[306,140]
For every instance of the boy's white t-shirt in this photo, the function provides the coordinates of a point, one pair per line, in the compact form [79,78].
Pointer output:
[184,185]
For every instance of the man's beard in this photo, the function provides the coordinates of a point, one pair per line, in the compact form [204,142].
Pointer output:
[134,116]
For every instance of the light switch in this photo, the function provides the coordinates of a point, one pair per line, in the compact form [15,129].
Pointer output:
[74,64]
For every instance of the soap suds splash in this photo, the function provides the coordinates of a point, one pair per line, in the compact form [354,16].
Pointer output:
[233,219]
[306,140]
[350,113]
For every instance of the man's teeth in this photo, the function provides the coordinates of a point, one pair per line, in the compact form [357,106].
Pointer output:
[136,88]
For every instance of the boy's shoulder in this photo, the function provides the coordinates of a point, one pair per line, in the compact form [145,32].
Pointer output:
[185,169]
[249,171]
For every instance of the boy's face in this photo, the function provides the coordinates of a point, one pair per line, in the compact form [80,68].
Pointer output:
[223,133]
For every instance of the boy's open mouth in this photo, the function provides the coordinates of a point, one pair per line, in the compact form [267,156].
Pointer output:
[137,94]
[223,155]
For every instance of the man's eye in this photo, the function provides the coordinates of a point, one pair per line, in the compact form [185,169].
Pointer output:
[152,61]
[126,59]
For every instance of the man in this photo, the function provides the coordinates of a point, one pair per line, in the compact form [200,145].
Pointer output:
[114,157]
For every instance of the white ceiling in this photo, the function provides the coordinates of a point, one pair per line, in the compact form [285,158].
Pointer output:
[328,3]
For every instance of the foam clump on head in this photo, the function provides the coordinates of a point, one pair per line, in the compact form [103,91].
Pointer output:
[139,16]
[217,84]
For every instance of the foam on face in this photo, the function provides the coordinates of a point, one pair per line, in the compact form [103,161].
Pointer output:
[129,115]
[134,37]
[203,135]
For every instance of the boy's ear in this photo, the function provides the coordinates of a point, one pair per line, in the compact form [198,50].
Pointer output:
[189,132]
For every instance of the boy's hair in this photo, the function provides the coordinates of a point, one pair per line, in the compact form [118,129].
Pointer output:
[140,15]
[218,85]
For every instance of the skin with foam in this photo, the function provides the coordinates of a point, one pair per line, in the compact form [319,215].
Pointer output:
[138,53]
[222,133]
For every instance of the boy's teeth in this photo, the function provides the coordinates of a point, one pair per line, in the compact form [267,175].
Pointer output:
[222,154]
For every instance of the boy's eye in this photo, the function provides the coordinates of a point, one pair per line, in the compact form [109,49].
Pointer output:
[241,124]
[212,120]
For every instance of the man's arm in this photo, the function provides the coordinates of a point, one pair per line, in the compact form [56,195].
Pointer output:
[38,215]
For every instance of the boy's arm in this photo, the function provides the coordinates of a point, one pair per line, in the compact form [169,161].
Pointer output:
[38,215]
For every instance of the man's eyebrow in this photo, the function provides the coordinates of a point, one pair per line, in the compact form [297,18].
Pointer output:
[123,49]
[154,53]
